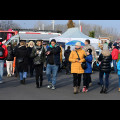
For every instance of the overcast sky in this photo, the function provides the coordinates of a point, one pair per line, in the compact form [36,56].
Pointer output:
[104,23]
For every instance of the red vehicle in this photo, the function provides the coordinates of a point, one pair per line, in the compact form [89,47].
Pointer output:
[6,35]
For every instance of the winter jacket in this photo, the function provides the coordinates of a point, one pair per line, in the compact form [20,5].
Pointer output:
[89,63]
[21,52]
[118,67]
[5,52]
[67,54]
[115,54]
[38,58]
[85,48]
[76,66]
[105,58]
[54,56]
[29,52]
[10,56]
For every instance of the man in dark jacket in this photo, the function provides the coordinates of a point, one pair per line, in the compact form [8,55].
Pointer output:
[67,63]
[53,62]
[38,55]
[105,68]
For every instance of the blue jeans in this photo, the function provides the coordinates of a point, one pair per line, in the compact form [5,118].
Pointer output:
[23,75]
[115,65]
[106,79]
[52,69]
[1,69]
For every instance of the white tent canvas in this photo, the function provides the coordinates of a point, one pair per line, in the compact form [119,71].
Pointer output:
[75,34]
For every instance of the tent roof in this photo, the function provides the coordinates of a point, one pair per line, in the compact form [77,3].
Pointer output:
[74,33]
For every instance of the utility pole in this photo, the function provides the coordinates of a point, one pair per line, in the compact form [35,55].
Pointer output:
[53,24]
[42,26]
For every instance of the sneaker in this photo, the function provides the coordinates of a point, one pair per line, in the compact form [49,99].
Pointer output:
[84,90]
[53,87]
[49,86]
[1,81]
[8,75]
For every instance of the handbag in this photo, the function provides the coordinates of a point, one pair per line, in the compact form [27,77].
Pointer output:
[83,64]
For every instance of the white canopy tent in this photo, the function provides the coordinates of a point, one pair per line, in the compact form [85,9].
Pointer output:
[75,34]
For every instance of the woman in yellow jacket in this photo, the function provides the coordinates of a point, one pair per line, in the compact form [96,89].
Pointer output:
[76,68]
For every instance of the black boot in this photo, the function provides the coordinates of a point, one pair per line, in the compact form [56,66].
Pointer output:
[37,85]
[105,90]
[21,81]
[24,81]
[41,82]
[102,90]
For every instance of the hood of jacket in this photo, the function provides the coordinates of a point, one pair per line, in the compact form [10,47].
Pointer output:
[106,53]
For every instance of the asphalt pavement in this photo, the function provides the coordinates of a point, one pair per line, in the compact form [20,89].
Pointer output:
[11,89]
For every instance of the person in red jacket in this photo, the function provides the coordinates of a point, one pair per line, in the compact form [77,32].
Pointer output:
[3,55]
[115,54]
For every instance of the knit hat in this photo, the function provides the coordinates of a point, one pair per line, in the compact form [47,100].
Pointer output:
[115,44]
[90,51]
[53,40]
[78,44]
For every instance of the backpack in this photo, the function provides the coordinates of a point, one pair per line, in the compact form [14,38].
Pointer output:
[1,50]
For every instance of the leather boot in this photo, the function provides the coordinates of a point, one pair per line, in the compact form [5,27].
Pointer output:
[75,90]
[78,88]
[41,82]
[102,89]
[24,81]
[37,85]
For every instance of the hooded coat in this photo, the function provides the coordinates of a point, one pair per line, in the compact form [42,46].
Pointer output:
[76,66]
[89,63]
[22,52]
[105,58]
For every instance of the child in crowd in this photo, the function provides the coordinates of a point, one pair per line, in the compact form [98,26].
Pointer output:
[88,70]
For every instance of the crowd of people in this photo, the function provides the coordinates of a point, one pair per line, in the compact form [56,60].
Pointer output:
[41,57]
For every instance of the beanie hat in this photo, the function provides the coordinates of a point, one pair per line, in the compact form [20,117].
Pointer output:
[53,40]
[115,44]
[90,51]
[78,44]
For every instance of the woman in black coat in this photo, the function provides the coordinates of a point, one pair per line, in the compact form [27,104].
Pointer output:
[22,55]
[105,68]
[30,47]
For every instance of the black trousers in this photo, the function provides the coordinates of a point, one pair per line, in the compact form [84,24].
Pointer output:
[86,79]
[39,73]
[31,68]
[76,79]
[68,66]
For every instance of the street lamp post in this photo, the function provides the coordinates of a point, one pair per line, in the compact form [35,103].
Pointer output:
[53,24]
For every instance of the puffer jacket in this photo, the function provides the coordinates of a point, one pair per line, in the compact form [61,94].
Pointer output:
[76,66]
[105,58]
[89,63]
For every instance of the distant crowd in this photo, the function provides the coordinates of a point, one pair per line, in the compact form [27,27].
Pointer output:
[23,59]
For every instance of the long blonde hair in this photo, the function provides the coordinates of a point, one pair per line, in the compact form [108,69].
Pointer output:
[31,42]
